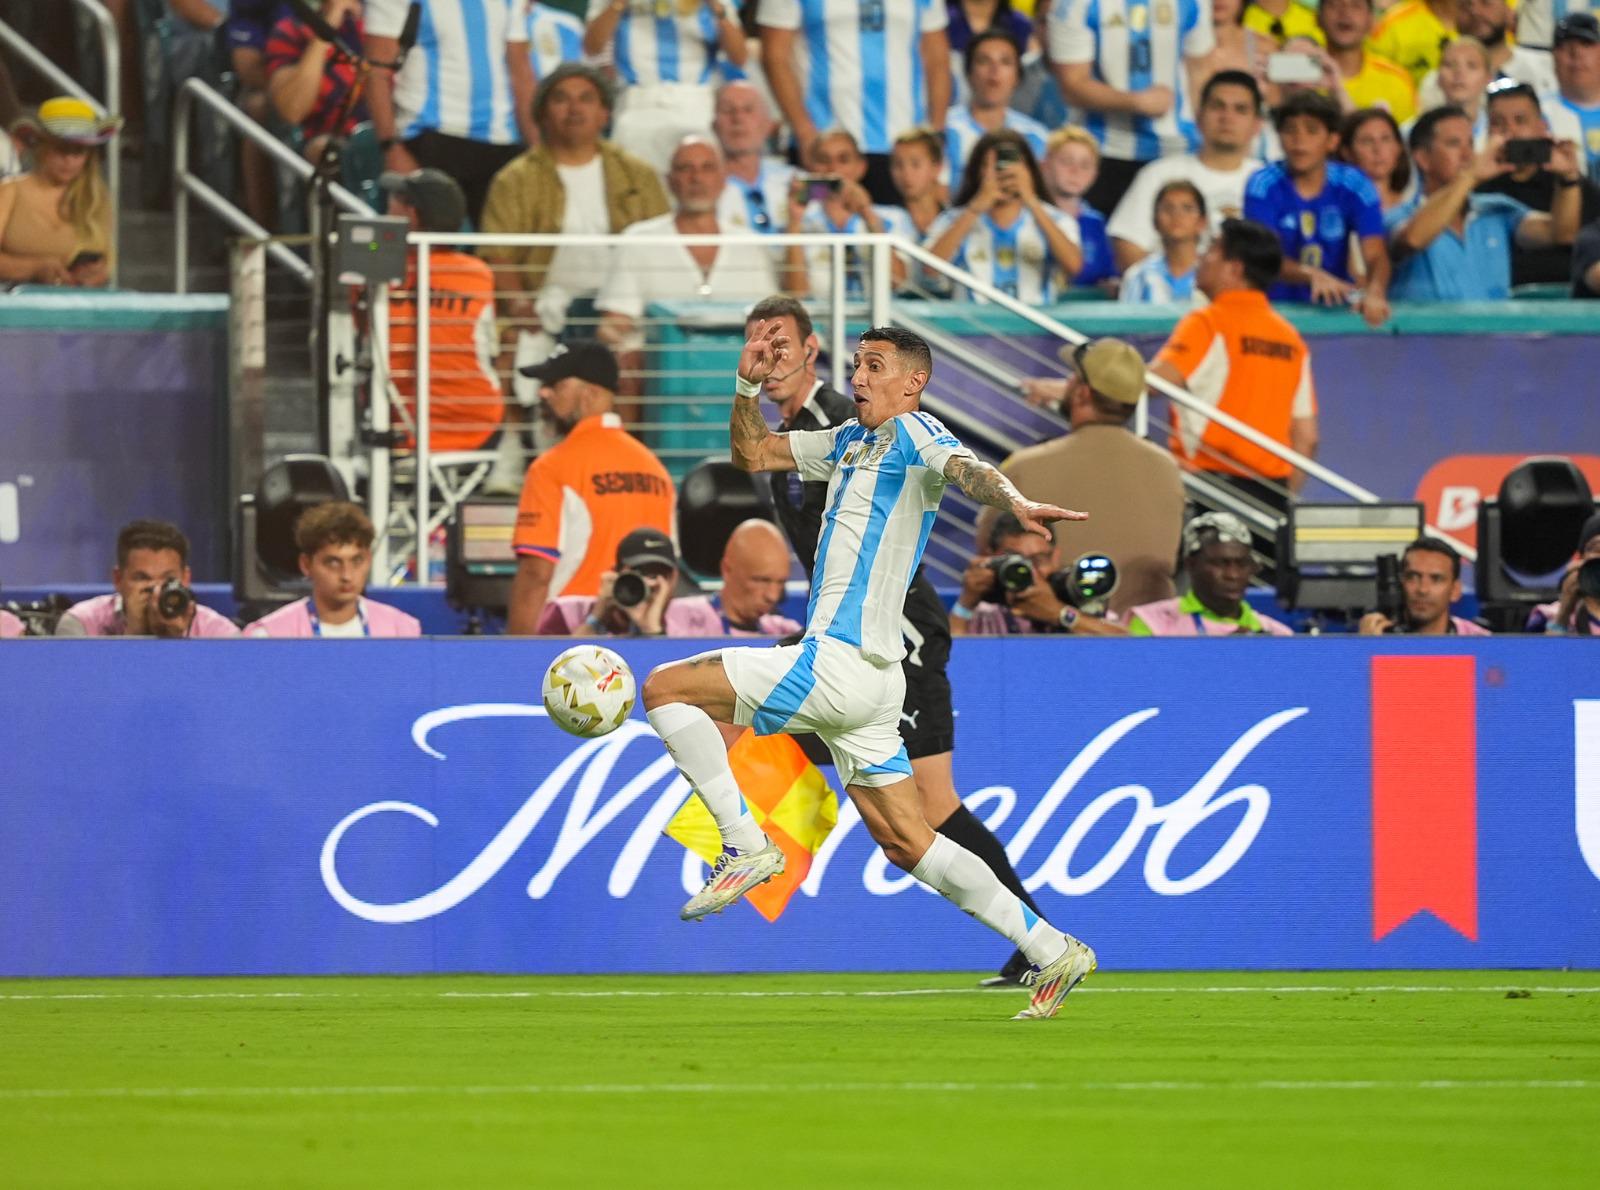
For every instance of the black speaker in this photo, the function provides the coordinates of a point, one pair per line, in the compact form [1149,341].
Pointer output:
[266,568]
[1527,535]
[714,499]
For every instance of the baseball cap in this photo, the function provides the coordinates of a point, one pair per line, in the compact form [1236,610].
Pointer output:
[1578,26]
[440,203]
[1224,525]
[587,360]
[646,547]
[1109,366]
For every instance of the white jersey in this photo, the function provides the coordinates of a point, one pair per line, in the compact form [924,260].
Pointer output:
[1537,19]
[1151,282]
[1134,220]
[819,260]
[1017,259]
[456,80]
[1133,45]
[554,36]
[659,42]
[859,62]
[884,488]
[961,132]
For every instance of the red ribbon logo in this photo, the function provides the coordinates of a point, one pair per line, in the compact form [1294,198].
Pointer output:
[1424,792]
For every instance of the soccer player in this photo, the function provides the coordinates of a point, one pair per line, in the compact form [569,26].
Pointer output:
[1315,205]
[887,471]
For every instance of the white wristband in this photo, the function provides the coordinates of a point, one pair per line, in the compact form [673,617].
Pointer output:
[748,389]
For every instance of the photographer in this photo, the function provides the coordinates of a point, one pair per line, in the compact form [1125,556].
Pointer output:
[152,597]
[1218,561]
[1430,581]
[1577,611]
[1020,588]
[10,625]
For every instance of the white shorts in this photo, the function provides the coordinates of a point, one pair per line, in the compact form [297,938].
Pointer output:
[825,686]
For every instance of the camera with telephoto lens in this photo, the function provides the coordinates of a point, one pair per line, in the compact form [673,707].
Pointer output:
[1012,573]
[629,589]
[1087,584]
[174,599]
[1391,600]
[1589,579]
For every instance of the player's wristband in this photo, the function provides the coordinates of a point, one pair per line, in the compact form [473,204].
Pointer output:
[961,613]
[748,389]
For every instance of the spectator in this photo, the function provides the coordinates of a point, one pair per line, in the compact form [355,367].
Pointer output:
[1219,566]
[55,220]
[803,403]
[846,66]
[1576,611]
[1131,488]
[1370,140]
[915,163]
[308,84]
[10,626]
[585,494]
[1229,122]
[1281,20]
[644,273]
[572,182]
[1241,357]
[1168,276]
[462,102]
[1536,20]
[1071,164]
[1238,47]
[151,555]
[845,207]
[1575,109]
[335,543]
[1316,205]
[1430,580]
[465,402]
[1586,262]
[554,36]
[1122,74]
[1368,79]
[970,19]
[665,56]
[755,576]
[249,26]
[1461,80]
[983,608]
[993,65]
[1489,21]
[1413,33]
[1453,245]
[1000,229]
[1515,114]
[757,194]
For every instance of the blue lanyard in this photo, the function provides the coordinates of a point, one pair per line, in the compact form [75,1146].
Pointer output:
[316,621]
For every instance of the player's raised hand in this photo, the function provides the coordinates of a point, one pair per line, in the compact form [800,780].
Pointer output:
[1035,517]
[766,348]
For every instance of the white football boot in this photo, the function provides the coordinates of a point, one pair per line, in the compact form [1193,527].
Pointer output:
[1051,983]
[734,875]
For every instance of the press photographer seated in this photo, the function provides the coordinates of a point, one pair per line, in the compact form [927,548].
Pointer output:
[152,596]
[335,542]
[1577,610]
[1021,587]
[1218,561]
[1430,581]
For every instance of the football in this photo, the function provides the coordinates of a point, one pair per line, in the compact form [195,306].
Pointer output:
[588,691]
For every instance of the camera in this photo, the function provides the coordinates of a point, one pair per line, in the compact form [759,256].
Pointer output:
[1391,600]
[820,187]
[1012,573]
[1589,579]
[1527,151]
[174,599]
[629,589]
[1087,584]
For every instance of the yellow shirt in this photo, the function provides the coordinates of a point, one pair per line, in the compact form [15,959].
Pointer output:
[1411,37]
[1383,84]
[1296,21]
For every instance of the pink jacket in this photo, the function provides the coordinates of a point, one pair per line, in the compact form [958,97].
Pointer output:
[10,625]
[102,616]
[294,620]
[1172,617]
[692,615]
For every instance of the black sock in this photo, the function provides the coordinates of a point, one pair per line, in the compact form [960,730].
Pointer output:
[965,828]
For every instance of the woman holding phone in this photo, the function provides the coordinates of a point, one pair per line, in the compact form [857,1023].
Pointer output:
[55,220]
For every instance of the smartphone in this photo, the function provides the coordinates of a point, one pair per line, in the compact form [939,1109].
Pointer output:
[1293,68]
[1532,151]
[1005,155]
[820,187]
[85,258]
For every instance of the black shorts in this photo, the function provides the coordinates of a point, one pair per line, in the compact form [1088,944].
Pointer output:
[927,722]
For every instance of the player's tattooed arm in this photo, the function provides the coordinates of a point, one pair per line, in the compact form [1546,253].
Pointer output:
[755,447]
[985,484]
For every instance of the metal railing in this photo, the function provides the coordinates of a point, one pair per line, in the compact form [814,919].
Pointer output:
[111,52]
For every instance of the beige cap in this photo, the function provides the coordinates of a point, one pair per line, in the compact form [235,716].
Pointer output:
[1112,368]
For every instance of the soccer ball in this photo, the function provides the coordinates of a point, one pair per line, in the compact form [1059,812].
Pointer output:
[588,691]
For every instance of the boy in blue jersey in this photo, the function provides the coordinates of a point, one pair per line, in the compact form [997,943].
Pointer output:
[1315,205]
[886,470]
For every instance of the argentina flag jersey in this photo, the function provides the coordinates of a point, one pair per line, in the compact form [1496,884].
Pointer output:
[663,41]
[554,36]
[1133,45]
[884,488]
[1015,259]
[456,80]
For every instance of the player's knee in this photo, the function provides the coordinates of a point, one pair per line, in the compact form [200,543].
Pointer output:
[659,688]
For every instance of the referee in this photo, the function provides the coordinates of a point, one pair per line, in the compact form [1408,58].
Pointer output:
[927,723]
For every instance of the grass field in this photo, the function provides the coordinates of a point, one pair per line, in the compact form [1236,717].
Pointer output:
[1368,1079]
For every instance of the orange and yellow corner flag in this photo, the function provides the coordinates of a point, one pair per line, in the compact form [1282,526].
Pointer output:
[788,796]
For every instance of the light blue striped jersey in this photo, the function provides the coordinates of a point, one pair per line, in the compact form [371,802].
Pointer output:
[456,80]
[860,62]
[961,132]
[554,36]
[819,260]
[1133,45]
[1016,259]
[884,488]
[1150,282]
[1586,119]
[663,41]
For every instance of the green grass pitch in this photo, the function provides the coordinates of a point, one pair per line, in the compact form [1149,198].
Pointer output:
[1358,1079]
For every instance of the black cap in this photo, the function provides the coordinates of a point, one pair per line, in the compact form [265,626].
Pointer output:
[646,547]
[1578,26]
[588,360]
[441,206]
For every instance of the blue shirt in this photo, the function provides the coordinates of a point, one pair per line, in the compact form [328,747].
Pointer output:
[1315,231]
[1151,283]
[1472,267]
[1098,263]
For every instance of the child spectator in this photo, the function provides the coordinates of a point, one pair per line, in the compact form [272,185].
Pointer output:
[1464,75]
[1371,141]
[1167,277]
[308,85]
[55,220]
[335,542]
[915,162]
[1315,205]
[1071,164]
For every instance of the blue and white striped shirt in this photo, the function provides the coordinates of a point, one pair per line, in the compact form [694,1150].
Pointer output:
[860,62]
[456,80]
[1016,260]
[1134,45]
[1151,283]
[554,36]
[884,488]
[663,41]
[961,132]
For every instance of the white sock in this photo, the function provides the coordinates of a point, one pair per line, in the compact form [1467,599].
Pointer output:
[959,876]
[696,747]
